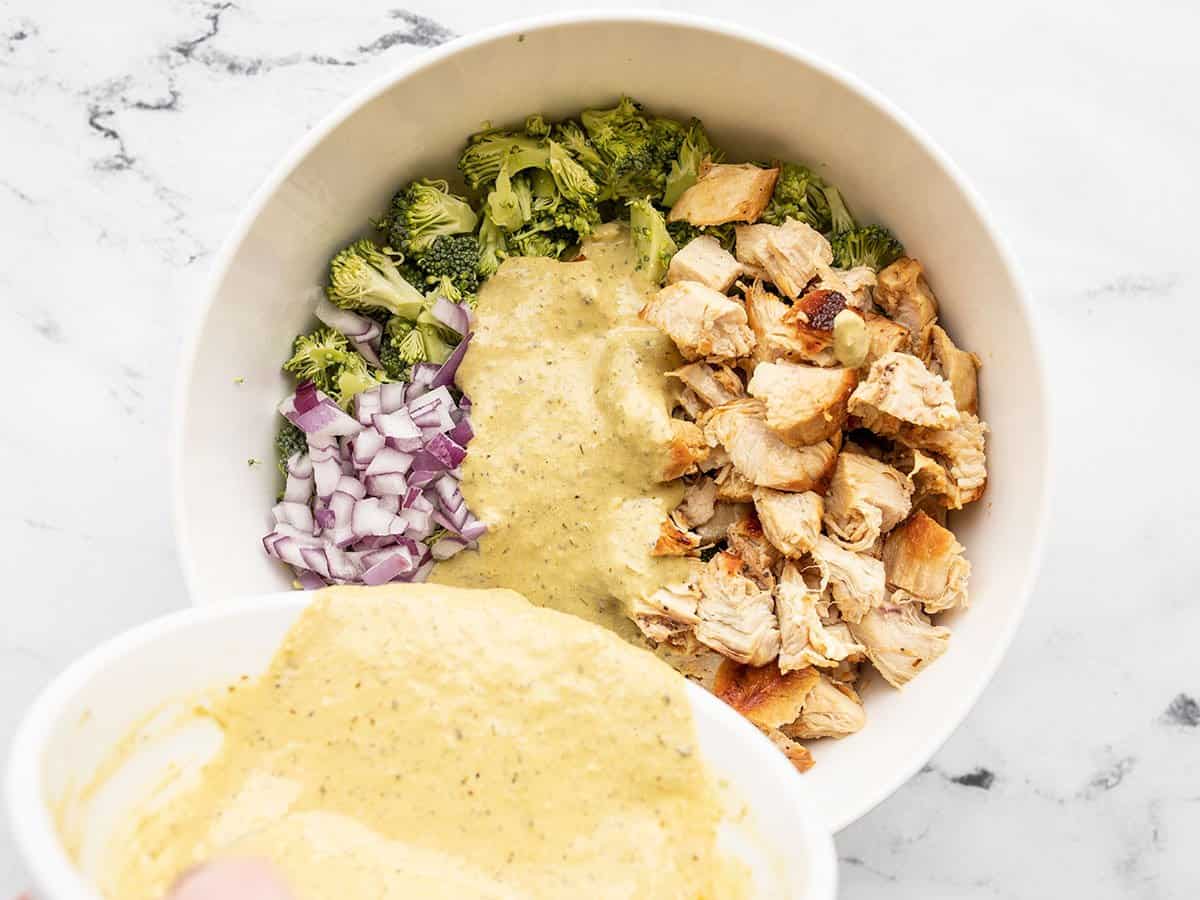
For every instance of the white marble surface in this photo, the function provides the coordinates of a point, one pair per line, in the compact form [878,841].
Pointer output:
[132,131]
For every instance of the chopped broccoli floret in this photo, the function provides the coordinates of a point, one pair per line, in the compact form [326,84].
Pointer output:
[319,357]
[536,126]
[421,212]
[570,176]
[637,150]
[454,257]
[540,200]
[326,359]
[492,246]
[362,277]
[651,241]
[400,348]
[433,211]
[803,195]
[289,440]
[683,232]
[571,136]
[354,378]
[871,245]
[685,169]
[510,203]
[487,151]
[407,342]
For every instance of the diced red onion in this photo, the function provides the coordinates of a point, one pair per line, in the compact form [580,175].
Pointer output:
[367,443]
[383,479]
[446,547]
[297,514]
[391,396]
[399,561]
[473,530]
[363,332]
[422,572]
[324,417]
[309,581]
[389,462]
[392,483]
[399,429]
[445,451]
[452,315]
[367,404]
[462,432]
[419,521]
[370,518]
[445,375]
[348,484]
[299,479]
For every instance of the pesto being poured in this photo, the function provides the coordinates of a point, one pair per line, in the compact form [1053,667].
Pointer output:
[424,741]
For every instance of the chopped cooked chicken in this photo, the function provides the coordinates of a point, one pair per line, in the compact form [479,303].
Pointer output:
[733,486]
[831,710]
[804,640]
[724,515]
[764,314]
[764,695]
[692,660]
[703,259]
[958,452]
[900,391]
[668,615]
[900,640]
[792,254]
[885,335]
[805,404]
[702,322]
[925,560]
[692,405]
[776,338]
[715,385]
[725,193]
[790,521]
[932,484]
[866,498]
[797,754]
[686,451]
[698,504]
[958,367]
[746,540]
[903,293]
[716,460]
[737,617]
[675,541]
[931,508]
[856,581]
[854,284]
[761,456]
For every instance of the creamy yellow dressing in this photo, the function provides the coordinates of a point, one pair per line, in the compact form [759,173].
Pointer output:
[572,417]
[433,742]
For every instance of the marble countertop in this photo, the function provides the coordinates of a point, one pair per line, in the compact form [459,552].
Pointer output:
[131,132]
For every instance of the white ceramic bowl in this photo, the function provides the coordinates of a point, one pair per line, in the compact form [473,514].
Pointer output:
[78,719]
[759,99]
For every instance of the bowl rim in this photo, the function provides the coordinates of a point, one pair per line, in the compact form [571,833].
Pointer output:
[223,260]
[36,836]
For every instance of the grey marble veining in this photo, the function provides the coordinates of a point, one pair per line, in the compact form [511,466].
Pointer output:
[132,132]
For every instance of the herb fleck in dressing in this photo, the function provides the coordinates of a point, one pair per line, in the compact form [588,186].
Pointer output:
[571,411]
[423,741]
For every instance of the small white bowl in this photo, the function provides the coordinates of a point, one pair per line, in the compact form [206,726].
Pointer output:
[759,98]
[79,718]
